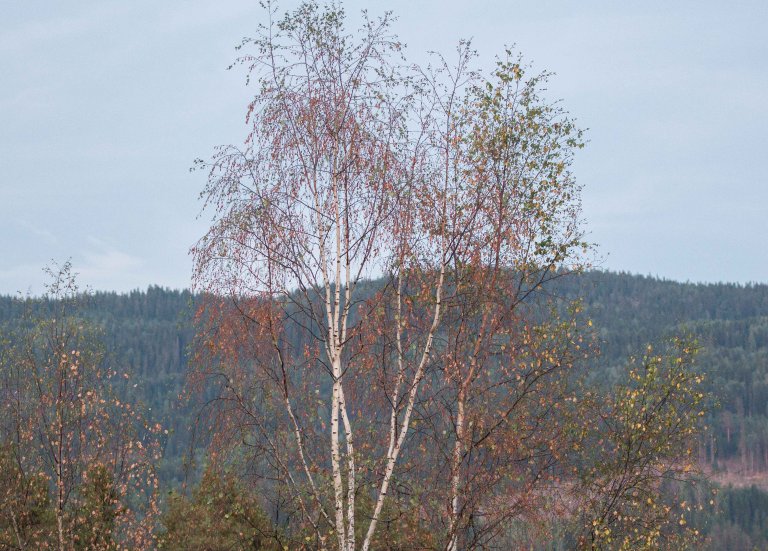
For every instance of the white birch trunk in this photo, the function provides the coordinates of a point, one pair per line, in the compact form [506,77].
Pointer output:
[350,471]
[395,445]
[458,450]
[338,486]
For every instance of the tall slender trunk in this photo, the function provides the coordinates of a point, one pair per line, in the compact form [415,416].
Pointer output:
[338,485]
[350,472]
[396,440]
[60,478]
[60,527]
[16,529]
[458,451]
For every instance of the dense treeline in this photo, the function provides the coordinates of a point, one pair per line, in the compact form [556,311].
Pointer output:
[149,335]
[146,334]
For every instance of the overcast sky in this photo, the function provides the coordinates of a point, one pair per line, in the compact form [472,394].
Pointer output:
[105,104]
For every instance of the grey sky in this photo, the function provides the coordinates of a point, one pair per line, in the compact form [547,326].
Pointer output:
[104,105]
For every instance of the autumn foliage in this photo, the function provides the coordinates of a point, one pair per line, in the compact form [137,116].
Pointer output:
[431,394]
[77,462]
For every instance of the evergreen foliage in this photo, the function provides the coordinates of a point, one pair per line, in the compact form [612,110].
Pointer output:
[221,515]
[149,333]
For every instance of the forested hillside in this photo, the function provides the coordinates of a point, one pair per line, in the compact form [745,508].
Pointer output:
[149,334]
[730,323]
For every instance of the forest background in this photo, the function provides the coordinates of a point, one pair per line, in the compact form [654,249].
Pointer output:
[150,333]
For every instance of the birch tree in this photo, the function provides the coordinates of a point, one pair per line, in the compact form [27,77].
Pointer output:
[81,453]
[641,437]
[444,187]
[507,353]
